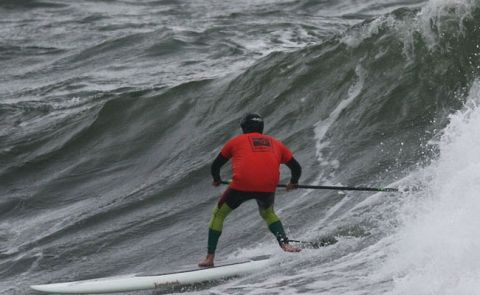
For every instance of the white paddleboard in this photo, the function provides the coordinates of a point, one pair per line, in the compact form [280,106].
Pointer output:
[154,281]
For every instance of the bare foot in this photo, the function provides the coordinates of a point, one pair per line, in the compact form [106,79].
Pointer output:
[208,262]
[290,248]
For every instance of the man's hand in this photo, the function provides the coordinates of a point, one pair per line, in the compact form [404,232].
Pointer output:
[216,183]
[291,186]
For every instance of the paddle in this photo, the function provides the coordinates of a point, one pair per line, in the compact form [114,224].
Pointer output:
[341,188]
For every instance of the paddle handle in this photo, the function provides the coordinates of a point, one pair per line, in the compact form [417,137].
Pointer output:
[340,188]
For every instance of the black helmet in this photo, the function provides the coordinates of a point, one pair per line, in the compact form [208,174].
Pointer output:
[252,122]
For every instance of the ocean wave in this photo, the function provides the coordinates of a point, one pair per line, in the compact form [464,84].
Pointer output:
[92,165]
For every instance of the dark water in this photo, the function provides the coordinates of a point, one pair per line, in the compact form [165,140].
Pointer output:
[112,111]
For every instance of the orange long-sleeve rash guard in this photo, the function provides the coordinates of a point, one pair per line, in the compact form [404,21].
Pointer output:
[256,160]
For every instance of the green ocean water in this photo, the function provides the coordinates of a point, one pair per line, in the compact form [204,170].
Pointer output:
[111,113]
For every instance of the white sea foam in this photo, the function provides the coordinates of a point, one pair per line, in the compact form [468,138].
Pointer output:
[436,249]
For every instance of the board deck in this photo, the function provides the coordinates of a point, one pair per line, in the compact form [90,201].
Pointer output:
[143,281]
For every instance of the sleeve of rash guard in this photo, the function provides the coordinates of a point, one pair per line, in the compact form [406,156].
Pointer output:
[219,161]
[295,169]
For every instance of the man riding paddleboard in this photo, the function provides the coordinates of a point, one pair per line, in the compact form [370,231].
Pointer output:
[256,160]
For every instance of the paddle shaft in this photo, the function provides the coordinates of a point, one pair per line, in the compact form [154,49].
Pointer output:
[340,188]
[345,188]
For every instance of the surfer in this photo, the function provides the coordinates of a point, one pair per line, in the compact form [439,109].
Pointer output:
[256,160]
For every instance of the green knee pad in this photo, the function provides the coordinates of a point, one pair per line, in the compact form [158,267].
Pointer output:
[218,216]
[269,215]
[274,223]
[216,225]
